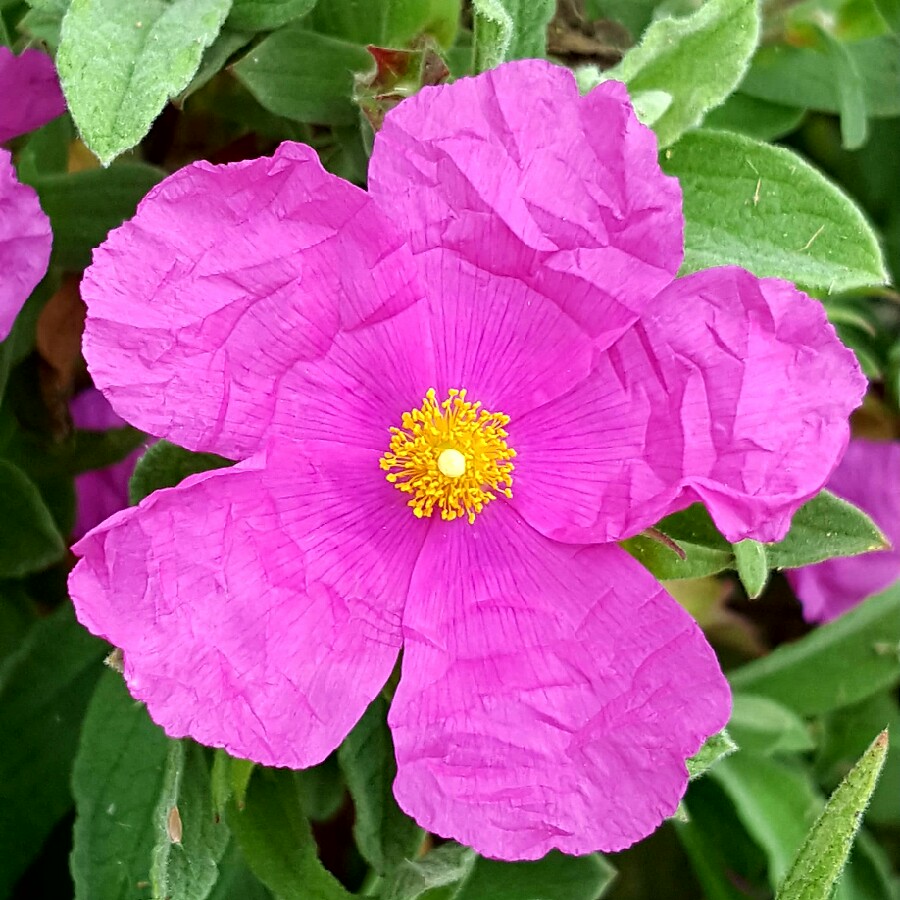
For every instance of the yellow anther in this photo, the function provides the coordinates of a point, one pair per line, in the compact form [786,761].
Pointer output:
[450,456]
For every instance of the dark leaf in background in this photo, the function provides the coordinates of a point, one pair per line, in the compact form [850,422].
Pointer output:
[44,690]
[384,834]
[166,465]
[117,781]
[29,538]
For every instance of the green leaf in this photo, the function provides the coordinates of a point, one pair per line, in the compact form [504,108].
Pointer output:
[805,77]
[29,538]
[824,527]
[81,451]
[840,663]
[266,15]
[510,29]
[214,60]
[705,550]
[84,206]
[120,62]
[698,60]
[437,876]
[304,76]
[44,691]
[189,838]
[387,23]
[116,781]
[384,834]
[760,725]
[665,563]
[714,749]
[727,863]
[753,117]
[555,877]
[775,801]
[229,779]
[166,465]
[850,92]
[277,842]
[890,12]
[236,881]
[752,566]
[824,853]
[750,204]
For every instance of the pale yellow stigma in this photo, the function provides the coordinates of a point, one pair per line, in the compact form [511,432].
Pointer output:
[452,463]
[450,456]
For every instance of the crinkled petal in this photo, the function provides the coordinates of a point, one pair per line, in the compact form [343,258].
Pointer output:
[510,347]
[212,311]
[869,476]
[258,607]
[731,390]
[25,241]
[101,492]
[30,90]
[517,175]
[550,692]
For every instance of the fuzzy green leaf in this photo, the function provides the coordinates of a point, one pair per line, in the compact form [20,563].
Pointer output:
[824,853]
[436,876]
[120,62]
[762,207]
[190,838]
[698,60]
[510,29]
[715,748]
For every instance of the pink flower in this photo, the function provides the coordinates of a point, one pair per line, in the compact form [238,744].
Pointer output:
[25,241]
[30,90]
[518,243]
[31,97]
[102,492]
[868,476]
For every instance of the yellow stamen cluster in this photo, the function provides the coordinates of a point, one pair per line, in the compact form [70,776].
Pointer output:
[451,456]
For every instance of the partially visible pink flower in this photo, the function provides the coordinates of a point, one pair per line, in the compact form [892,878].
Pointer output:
[30,92]
[25,242]
[868,476]
[101,492]
[449,398]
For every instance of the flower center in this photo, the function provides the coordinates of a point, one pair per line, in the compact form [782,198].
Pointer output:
[450,456]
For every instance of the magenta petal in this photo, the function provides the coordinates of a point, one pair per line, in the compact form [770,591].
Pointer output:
[869,476]
[258,607]
[519,176]
[510,347]
[550,693]
[731,390]
[208,311]
[30,90]
[25,242]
